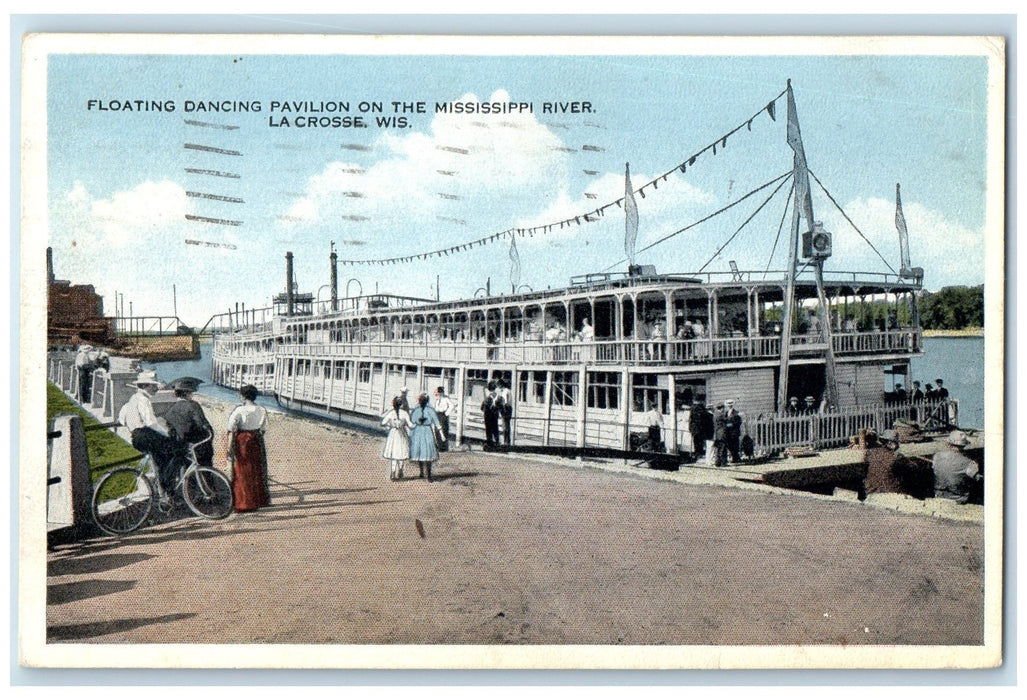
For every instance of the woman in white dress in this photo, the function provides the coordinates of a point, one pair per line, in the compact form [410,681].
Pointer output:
[397,444]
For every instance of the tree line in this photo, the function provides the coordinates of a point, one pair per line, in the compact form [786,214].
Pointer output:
[953,308]
[949,309]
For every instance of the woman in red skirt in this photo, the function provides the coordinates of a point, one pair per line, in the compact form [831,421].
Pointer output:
[247,454]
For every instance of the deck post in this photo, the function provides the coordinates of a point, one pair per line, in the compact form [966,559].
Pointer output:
[546,407]
[461,374]
[625,408]
[580,408]
[515,380]
[672,438]
[331,384]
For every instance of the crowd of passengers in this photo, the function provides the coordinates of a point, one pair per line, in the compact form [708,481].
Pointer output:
[653,326]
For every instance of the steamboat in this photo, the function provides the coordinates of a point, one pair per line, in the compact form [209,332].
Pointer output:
[588,364]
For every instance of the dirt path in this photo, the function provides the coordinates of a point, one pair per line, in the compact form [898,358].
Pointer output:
[517,551]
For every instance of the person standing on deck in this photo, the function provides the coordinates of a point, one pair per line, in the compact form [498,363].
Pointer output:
[443,408]
[397,443]
[793,408]
[811,406]
[918,393]
[654,424]
[720,435]
[247,453]
[422,436]
[588,334]
[734,430]
[504,402]
[490,414]
[697,428]
[150,434]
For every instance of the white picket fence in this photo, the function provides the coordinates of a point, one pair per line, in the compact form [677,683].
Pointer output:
[834,428]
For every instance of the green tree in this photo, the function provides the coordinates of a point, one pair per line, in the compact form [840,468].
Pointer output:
[953,308]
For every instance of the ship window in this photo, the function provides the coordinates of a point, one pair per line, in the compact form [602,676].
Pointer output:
[364,372]
[339,369]
[523,382]
[646,391]
[531,387]
[604,390]
[565,388]
[269,369]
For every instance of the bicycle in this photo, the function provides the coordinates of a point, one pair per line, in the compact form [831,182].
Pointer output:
[124,498]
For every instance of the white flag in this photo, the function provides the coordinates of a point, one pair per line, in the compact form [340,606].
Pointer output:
[630,217]
[515,264]
[801,174]
[900,224]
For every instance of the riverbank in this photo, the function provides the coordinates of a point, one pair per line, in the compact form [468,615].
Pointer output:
[962,333]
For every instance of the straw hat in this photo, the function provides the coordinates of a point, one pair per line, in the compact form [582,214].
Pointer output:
[958,438]
[146,378]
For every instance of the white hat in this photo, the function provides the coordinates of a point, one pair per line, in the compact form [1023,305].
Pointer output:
[146,378]
[958,438]
[404,390]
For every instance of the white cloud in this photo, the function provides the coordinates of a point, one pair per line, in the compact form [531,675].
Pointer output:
[949,252]
[128,214]
[495,158]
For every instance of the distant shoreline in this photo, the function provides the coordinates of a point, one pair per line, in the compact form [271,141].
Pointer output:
[963,333]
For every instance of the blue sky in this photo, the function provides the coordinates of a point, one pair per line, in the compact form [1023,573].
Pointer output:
[118,184]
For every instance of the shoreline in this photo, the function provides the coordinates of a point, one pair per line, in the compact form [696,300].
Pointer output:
[307,427]
[964,333]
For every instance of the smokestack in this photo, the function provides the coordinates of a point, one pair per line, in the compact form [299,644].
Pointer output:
[289,302]
[335,281]
[49,266]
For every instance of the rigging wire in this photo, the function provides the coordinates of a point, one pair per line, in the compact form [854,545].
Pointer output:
[706,218]
[576,220]
[780,228]
[851,222]
[744,224]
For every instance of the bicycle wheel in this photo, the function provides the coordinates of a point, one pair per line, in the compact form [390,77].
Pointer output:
[208,493]
[122,500]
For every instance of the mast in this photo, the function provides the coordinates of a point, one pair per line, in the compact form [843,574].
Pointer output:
[817,247]
[335,278]
[786,313]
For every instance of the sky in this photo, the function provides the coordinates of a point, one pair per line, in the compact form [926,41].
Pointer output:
[133,206]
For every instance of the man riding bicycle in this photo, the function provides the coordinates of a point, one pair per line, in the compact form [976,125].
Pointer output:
[150,433]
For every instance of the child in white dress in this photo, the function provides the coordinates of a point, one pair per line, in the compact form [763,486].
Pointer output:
[397,444]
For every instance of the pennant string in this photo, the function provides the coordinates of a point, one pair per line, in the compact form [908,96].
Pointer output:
[769,108]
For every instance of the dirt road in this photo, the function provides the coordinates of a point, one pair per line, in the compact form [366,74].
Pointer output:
[517,551]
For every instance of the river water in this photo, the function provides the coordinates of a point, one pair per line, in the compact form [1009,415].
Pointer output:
[958,361]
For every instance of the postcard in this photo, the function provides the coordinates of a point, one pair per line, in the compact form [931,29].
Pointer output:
[398,352]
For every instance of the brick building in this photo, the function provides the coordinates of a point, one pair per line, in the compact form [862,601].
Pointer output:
[74,311]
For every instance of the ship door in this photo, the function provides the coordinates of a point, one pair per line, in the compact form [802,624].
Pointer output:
[806,380]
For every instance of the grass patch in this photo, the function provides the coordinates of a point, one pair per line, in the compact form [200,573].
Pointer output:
[105,447]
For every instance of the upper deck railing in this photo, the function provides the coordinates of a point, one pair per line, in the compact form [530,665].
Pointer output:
[382,304]
[650,352]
